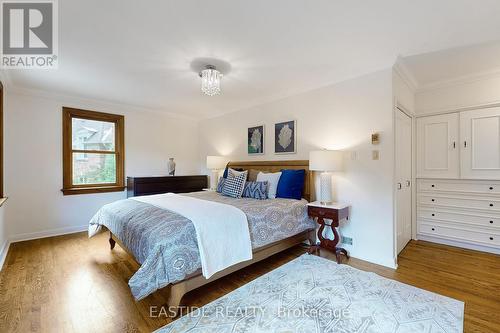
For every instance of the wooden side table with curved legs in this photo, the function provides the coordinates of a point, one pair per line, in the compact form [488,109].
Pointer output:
[335,212]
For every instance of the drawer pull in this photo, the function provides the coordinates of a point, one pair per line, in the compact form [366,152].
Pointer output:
[491,205]
[491,238]
[432,185]
[491,222]
[433,214]
[433,200]
[433,229]
[491,187]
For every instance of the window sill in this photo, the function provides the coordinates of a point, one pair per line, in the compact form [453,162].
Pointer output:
[90,190]
[2,200]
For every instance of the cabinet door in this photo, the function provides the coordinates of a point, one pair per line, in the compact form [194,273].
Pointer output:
[437,146]
[480,143]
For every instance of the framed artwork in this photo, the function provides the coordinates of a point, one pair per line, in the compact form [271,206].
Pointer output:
[256,140]
[285,137]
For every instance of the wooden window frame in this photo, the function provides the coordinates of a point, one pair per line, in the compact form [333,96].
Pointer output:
[2,194]
[68,187]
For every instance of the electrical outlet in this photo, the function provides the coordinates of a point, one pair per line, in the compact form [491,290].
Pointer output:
[346,240]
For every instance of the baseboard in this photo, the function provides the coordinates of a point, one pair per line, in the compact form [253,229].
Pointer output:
[459,244]
[47,233]
[3,253]
[386,263]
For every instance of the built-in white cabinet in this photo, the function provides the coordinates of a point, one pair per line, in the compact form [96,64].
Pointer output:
[459,212]
[480,144]
[437,146]
[464,145]
[458,166]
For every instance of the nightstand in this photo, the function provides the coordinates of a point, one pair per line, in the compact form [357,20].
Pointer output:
[335,212]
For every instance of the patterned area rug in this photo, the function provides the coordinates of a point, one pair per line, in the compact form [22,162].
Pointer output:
[312,294]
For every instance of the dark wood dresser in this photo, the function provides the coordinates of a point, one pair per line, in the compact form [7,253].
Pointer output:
[137,186]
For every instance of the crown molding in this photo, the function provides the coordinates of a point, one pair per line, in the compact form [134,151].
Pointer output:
[404,72]
[462,80]
[457,108]
[78,101]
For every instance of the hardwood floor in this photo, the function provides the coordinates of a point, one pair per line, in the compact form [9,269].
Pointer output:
[75,284]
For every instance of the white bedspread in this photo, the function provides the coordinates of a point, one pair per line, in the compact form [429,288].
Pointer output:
[221,230]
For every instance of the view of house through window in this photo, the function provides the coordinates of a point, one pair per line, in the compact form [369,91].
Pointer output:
[88,138]
[93,151]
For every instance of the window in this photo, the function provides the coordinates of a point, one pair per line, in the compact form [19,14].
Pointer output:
[93,152]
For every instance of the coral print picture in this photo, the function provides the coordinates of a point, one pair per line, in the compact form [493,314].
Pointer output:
[285,138]
[256,140]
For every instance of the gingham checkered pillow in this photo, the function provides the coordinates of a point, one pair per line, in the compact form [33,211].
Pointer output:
[234,185]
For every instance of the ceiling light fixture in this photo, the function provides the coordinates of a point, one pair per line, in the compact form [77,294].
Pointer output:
[210,80]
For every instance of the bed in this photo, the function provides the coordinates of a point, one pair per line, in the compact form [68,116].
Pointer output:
[165,247]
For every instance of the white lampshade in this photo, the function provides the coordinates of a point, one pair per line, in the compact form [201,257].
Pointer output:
[216,162]
[325,160]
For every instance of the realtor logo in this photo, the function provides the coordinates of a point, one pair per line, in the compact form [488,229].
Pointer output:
[29,34]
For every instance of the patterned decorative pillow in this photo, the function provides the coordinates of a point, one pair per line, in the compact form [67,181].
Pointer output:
[236,173]
[234,186]
[226,171]
[256,190]
[220,184]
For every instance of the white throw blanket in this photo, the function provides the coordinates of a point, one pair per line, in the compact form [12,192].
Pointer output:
[221,230]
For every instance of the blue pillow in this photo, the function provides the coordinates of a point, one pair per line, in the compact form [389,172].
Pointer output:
[291,184]
[220,185]
[255,190]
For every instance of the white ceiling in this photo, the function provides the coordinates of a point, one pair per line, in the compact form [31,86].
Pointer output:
[139,52]
[452,64]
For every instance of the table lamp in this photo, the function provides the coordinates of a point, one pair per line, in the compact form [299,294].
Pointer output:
[215,163]
[325,161]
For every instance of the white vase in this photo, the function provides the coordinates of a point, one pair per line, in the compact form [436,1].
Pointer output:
[171,166]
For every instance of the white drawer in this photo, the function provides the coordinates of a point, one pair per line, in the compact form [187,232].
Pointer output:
[492,222]
[457,233]
[459,186]
[459,202]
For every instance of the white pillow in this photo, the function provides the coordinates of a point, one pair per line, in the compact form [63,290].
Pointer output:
[235,173]
[273,180]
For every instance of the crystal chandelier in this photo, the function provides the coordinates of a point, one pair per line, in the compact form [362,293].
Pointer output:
[210,81]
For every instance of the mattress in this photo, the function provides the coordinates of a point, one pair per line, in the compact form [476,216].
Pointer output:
[165,245]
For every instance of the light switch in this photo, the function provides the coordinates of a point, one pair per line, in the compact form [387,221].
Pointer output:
[375,155]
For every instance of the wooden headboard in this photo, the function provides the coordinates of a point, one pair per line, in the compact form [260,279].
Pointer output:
[275,166]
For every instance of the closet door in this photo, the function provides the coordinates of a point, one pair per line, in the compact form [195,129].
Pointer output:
[437,146]
[480,143]
[403,136]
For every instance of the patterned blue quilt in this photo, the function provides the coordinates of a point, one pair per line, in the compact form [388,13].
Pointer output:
[165,245]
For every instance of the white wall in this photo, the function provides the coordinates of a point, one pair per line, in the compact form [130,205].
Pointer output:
[464,94]
[33,160]
[341,116]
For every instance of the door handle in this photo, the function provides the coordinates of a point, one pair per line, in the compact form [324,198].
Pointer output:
[465,144]
[408,183]
[454,145]
[399,186]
